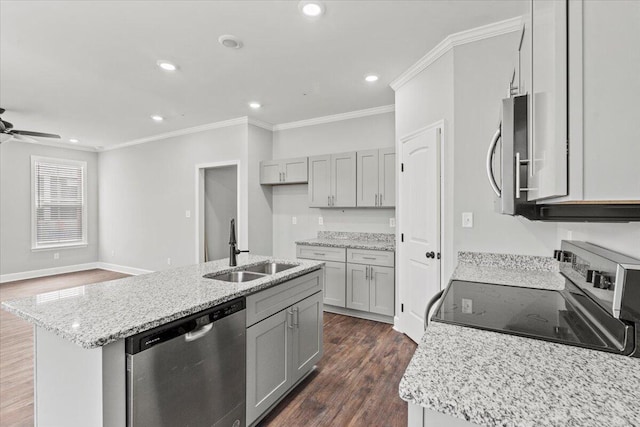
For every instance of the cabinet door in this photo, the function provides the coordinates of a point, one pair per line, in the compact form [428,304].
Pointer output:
[548,101]
[270,172]
[367,178]
[319,181]
[268,363]
[343,180]
[387,177]
[295,170]
[335,283]
[307,335]
[382,290]
[358,287]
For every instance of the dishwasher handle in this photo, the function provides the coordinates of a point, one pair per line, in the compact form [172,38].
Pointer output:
[196,334]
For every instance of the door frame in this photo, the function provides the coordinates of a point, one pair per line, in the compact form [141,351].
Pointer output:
[241,221]
[445,248]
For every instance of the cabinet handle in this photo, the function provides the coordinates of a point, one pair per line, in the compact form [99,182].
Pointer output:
[369,257]
[290,324]
[333,200]
[366,273]
[296,317]
[319,253]
[284,177]
[380,199]
[376,200]
[370,273]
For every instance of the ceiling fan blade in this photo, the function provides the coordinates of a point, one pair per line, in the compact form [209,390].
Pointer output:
[39,134]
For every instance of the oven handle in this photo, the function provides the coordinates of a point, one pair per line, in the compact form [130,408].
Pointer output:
[431,303]
[490,154]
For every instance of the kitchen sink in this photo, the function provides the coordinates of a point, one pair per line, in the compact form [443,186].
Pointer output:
[234,276]
[270,268]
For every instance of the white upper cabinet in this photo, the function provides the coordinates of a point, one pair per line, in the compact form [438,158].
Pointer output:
[548,99]
[284,171]
[332,180]
[376,185]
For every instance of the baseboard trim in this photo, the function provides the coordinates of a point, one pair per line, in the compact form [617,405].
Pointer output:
[24,275]
[359,314]
[123,269]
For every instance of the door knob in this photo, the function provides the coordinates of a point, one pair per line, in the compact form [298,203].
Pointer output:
[430,254]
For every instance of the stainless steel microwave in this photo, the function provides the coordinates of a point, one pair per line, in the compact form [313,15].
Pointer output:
[509,142]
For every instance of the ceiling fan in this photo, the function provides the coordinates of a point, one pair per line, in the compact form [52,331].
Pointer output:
[7,132]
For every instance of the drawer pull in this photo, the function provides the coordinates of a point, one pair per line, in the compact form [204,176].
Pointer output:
[319,253]
[369,257]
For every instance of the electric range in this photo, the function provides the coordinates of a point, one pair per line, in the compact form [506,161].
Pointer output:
[599,307]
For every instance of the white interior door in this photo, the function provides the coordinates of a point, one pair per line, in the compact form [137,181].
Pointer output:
[420,223]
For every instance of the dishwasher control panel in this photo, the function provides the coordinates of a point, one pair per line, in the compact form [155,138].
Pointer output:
[160,334]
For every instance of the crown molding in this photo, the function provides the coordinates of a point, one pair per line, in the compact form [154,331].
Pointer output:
[63,145]
[209,126]
[260,124]
[336,117]
[457,39]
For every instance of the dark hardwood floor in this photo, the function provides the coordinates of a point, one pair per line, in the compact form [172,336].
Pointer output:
[356,383]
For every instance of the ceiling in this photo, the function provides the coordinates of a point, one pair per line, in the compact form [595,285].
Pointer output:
[87,69]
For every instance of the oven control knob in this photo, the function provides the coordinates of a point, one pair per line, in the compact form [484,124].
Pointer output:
[596,279]
[590,275]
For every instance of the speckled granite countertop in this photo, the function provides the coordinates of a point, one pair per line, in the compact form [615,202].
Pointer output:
[335,239]
[97,314]
[494,379]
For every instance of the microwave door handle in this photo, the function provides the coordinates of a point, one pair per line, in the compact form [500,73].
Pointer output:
[490,154]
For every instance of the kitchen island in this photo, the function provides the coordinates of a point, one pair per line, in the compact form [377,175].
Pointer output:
[80,332]
[461,376]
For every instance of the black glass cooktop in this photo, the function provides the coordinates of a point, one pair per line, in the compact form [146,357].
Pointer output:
[536,313]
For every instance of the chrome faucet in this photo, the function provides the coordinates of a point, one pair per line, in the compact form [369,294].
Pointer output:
[233,250]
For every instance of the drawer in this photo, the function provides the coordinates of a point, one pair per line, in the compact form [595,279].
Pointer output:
[371,257]
[321,253]
[270,301]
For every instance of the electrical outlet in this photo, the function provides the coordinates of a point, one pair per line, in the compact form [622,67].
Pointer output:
[56,255]
[320,220]
[187,214]
[467,306]
[294,220]
[392,222]
[467,219]
[168,261]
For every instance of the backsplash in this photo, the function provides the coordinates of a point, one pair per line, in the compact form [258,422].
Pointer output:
[347,235]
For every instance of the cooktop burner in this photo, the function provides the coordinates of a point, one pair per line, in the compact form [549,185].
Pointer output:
[536,313]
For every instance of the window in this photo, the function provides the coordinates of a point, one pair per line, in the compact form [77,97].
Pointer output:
[59,210]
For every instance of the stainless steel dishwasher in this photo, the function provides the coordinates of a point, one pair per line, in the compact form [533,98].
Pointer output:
[190,372]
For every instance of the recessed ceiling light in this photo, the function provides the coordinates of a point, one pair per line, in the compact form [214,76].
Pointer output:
[255,105]
[167,66]
[311,9]
[157,118]
[232,42]
[371,78]
[73,141]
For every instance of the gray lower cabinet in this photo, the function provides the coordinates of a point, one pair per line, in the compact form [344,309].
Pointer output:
[281,349]
[334,283]
[370,288]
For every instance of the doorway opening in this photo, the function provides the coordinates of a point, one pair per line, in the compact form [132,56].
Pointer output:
[218,201]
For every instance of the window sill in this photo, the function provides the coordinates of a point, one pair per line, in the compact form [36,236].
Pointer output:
[60,246]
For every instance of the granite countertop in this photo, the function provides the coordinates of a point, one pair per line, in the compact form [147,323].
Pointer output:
[98,314]
[494,379]
[333,239]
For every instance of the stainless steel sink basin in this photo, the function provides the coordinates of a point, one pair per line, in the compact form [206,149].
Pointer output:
[234,276]
[270,268]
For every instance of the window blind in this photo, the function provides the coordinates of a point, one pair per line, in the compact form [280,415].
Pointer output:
[59,203]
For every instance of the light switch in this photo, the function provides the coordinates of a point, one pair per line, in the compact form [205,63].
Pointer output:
[187,214]
[467,219]
[56,255]
[320,221]
[294,220]
[392,222]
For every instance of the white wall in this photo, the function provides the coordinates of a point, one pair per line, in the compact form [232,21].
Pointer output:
[623,238]
[221,205]
[292,200]
[16,255]
[145,190]
[260,145]
[481,74]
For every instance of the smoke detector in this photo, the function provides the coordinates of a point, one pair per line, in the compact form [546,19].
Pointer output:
[232,42]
